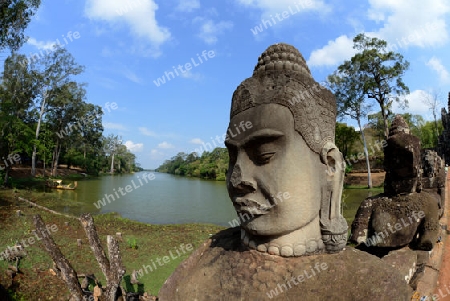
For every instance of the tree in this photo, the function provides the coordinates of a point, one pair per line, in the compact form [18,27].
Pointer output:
[378,73]
[14,18]
[17,91]
[433,102]
[350,95]
[90,129]
[415,123]
[111,145]
[211,165]
[346,136]
[428,136]
[57,68]
[376,123]
[424,130]
[65,104]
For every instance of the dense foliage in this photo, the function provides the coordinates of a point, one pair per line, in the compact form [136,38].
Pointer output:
[346,137]
[14,18]
[427,131]
[352,147]
[210,165]
[373,73]
[45,119]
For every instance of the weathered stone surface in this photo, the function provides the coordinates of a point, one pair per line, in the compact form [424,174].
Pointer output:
[403,260]
[433,177]
[406,213]
[285,180]
[288,148]
[433,171]
[443,148]
[402,159]
[223,270]
[398,221]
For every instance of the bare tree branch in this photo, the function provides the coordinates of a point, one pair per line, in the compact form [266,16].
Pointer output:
[66,271]
[91,232]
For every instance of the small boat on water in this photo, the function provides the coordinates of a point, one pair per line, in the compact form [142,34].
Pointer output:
[57,184]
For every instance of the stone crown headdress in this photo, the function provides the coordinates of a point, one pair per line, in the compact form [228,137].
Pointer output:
[282,77]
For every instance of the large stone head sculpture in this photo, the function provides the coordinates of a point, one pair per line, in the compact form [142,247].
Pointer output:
[285,175]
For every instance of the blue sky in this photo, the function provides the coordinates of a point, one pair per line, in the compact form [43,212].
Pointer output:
[126,46]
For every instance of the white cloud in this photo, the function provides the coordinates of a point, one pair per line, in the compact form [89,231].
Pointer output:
[42,45]
[114,126]
[333,53]
[209,31]
[188,5]
[157,155]
[139,15]
[273,7]
[132,76]
[134,147]
[196,141]
[435,64]
[403,23]
[191,75]
[147,132]
[165,145]
[416,104]
[419,23]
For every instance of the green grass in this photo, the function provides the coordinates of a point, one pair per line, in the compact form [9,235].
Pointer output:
[141,244]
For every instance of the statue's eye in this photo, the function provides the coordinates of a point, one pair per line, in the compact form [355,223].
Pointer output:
[264,158]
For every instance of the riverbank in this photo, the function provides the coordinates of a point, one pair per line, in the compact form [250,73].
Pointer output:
[357,179]
[143,247]
[152,241]
[24,171]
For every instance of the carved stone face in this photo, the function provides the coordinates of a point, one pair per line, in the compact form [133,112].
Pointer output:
[267,161]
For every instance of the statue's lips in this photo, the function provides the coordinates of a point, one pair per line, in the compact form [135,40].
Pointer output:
[243,205]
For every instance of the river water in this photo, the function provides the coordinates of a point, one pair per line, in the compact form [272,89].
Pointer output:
[167,199]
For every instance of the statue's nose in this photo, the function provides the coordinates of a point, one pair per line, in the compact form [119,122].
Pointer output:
[242,182]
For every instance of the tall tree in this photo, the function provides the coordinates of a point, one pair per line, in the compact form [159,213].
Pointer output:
[111,146]
[376,123]
[14,18]
[90,128]
[433,101]
[348,88]
[65,103]
[379,73]
[17,91]
[56,70]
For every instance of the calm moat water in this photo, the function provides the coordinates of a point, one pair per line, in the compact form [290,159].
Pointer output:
[166,199]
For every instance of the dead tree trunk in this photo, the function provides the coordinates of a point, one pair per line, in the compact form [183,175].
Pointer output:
[45,208]
[116,269]
[67,273]
[112,268]
[91,232]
